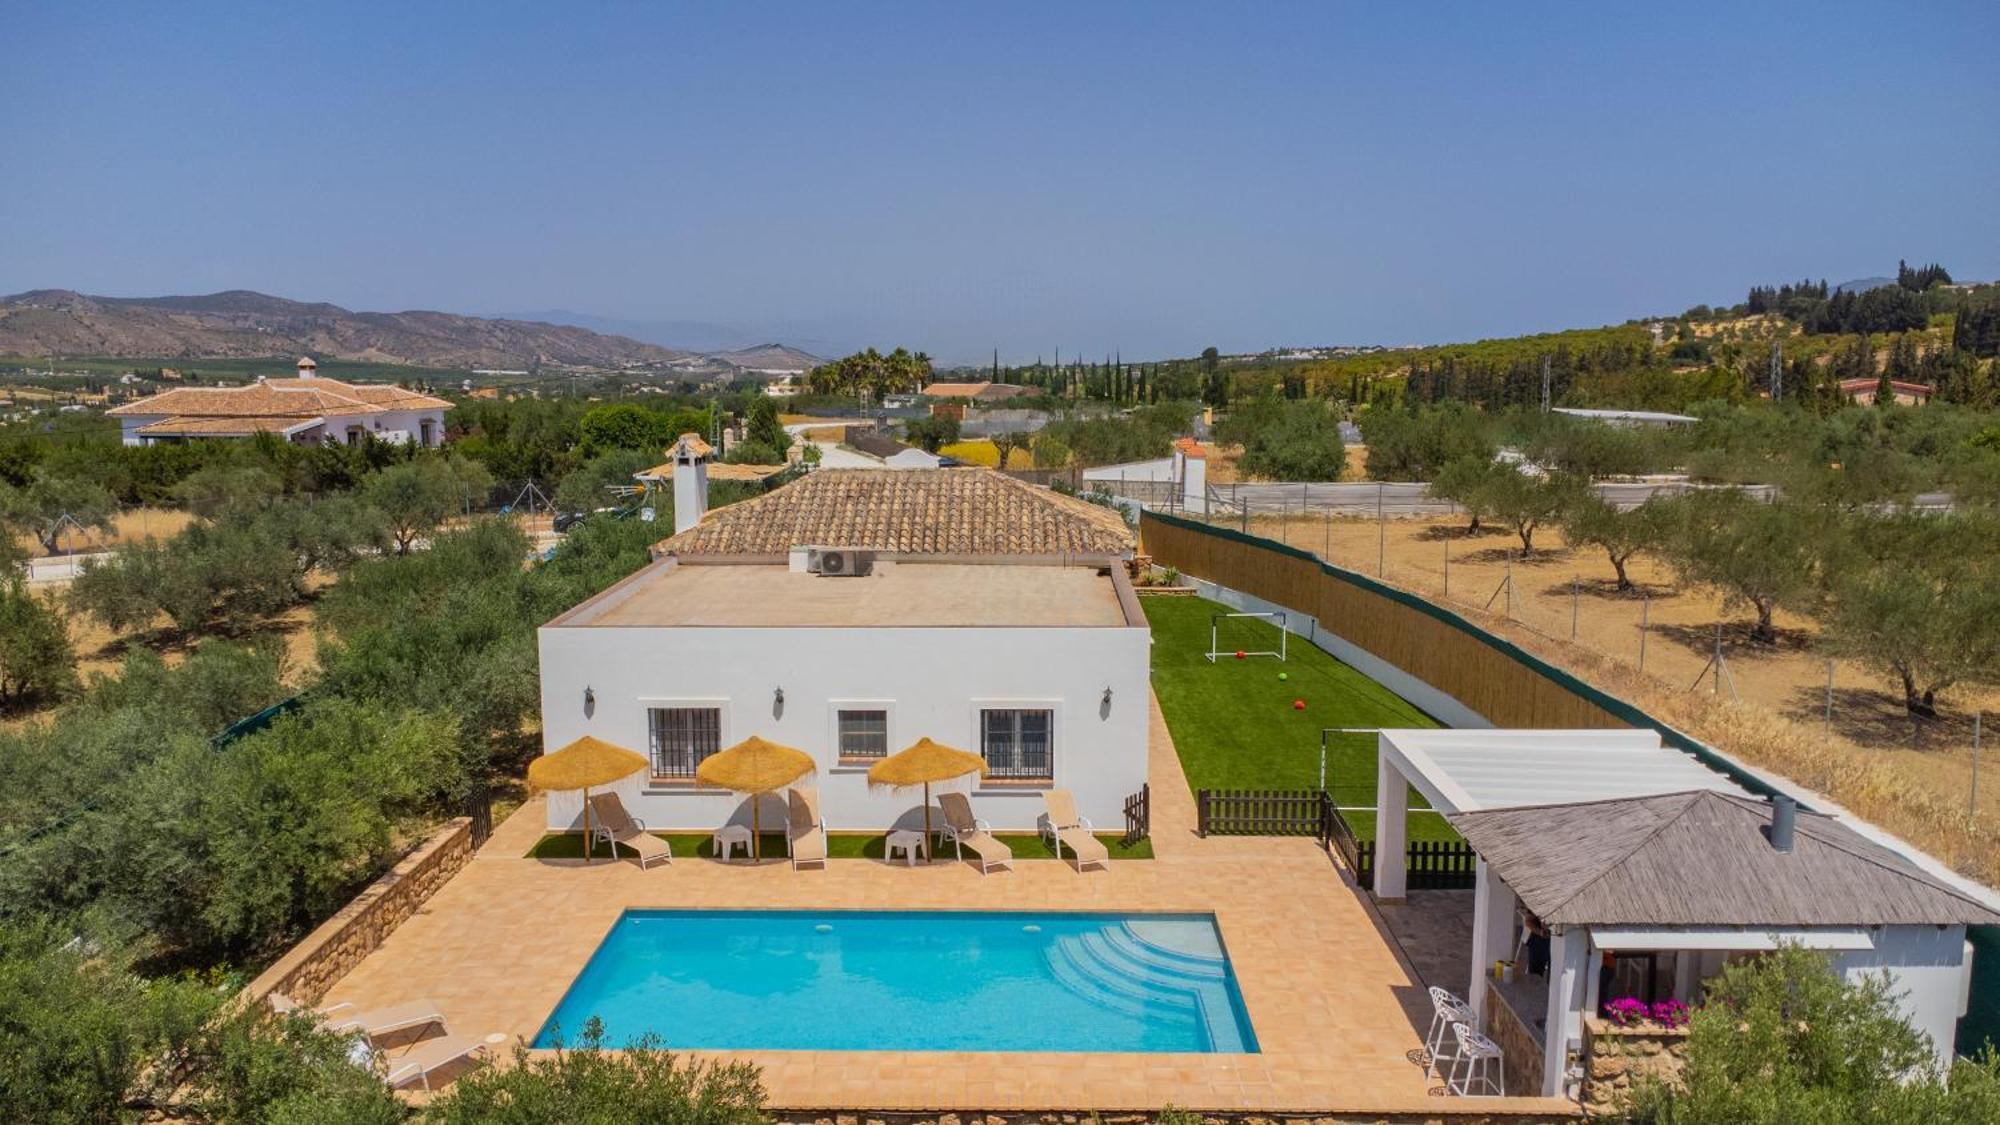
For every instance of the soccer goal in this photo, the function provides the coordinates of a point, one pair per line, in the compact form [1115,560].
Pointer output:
[1215,626]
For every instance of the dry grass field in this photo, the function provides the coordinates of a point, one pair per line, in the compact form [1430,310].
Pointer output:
[1770,709]
[129,526]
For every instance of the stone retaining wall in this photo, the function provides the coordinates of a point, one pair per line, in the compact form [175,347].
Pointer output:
[1615,1058]
[1520,1048]
[312,967]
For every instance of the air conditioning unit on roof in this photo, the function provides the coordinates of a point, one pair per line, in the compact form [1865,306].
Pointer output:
[840,562]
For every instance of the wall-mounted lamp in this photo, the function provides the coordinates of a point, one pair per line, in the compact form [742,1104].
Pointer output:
[1107,697]
[589,698]
[778,697]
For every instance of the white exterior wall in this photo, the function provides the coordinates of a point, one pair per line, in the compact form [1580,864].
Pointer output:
[1928,973]
[932,681]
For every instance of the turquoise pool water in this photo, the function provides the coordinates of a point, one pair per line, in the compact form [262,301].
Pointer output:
[909,981]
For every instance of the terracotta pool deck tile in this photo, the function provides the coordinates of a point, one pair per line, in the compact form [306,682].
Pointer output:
[1334,1006]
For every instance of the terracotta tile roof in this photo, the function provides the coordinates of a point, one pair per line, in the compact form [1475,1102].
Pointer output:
[693,444]
[915,511]
[1190,448]
[281,398]
[955,390]
[224,427]
[386,395]
[974,390]
[720,471]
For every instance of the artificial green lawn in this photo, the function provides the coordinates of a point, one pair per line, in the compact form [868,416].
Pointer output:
[1026,845]
[1234,725]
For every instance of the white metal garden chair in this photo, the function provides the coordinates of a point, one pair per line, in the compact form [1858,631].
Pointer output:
[1446,1010]
[1480,1061]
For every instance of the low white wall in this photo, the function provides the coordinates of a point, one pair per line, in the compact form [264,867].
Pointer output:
[933,682]
[1927,970]
[1444,708]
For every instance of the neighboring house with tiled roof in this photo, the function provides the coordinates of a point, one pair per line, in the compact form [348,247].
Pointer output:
[307,409]
[1905,393]
[893,454]
[980,392]
[948,512]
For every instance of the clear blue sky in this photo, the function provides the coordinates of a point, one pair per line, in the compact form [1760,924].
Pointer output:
[1151,178]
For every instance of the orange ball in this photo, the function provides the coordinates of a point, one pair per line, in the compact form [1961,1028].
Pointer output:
[1298,704]
[1240,654]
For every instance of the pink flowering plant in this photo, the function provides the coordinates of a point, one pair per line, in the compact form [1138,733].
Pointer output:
[1630,1011]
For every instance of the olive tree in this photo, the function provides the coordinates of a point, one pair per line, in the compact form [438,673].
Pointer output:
[50,505]
[1758,554]
[418,496]
[1592,521]
[1784,1038]
[1918,596]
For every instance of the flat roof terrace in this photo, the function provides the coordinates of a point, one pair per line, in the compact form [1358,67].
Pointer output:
[899,594]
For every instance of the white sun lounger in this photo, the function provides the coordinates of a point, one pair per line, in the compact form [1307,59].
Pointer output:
[616,826]
[968,831]
[1061,825]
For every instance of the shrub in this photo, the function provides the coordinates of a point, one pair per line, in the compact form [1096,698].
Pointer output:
[588,1084]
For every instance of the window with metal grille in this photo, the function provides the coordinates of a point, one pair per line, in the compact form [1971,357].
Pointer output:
[1017,743]
[681,737]
[863,734]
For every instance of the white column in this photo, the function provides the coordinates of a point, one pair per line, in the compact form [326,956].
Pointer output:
[1392,813]
[1482,953]
[1569,958]
[1493,931]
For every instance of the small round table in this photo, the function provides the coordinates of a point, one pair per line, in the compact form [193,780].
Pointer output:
[911,844]
[729,837]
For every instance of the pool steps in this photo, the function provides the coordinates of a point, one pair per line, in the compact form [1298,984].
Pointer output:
[1125,973]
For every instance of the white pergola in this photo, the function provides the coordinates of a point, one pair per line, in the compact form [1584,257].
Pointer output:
[1475,770]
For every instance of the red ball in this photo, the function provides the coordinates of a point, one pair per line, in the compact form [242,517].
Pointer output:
[1298,704]
[1240,654]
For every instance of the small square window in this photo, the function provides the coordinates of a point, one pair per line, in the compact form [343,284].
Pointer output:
[864,734]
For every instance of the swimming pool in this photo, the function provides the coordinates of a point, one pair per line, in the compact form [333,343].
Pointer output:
[909,981]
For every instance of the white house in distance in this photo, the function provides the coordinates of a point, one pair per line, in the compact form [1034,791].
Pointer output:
[1178,482]
[968,607]
[307,410]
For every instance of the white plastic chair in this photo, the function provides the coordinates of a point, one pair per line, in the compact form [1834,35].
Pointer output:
[1479,1057]
[1446,1010]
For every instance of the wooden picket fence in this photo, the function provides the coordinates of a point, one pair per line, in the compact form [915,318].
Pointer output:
[1430,865]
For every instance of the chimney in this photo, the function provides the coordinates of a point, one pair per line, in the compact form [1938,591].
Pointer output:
[307,368]
[1784,821]
[690,459]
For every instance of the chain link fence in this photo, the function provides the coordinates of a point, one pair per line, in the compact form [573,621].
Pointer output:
[1686,643]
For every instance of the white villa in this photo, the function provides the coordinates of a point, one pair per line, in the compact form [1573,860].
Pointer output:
[849,614]
[307,410]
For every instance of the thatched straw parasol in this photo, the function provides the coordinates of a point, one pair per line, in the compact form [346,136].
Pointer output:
[923,763]
[584,764]
[756,767]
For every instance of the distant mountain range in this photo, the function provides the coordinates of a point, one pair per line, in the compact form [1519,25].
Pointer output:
[242,324]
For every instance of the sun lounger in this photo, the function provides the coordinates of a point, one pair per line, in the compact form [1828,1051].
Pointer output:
[616,826]
[967,831]
[805,829]
[417,1065]
[373,1022]
[1061,825]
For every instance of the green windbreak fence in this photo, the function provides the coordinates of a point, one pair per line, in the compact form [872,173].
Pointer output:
[1508,685]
